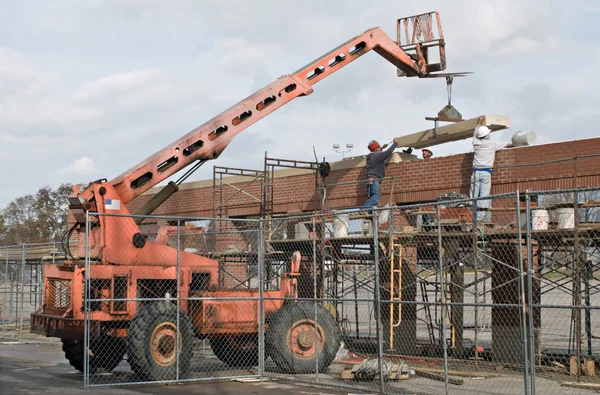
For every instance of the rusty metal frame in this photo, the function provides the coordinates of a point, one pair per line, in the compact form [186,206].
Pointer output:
[220,208]
[269,168]
[419,31]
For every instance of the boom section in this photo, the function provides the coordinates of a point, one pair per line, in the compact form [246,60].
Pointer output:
[208,140]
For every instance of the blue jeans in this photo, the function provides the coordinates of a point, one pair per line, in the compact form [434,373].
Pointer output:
[481,185]
[373,195]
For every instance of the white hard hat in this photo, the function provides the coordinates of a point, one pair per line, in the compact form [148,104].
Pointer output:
[481,131]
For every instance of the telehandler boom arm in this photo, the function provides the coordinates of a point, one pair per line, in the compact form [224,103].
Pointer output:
[210,139]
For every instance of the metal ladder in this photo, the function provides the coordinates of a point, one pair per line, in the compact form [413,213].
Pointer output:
[426,306]
[395,271]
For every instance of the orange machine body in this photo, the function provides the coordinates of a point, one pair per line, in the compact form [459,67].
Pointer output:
[129,269]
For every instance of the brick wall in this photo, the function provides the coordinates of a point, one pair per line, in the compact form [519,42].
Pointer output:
[413,182]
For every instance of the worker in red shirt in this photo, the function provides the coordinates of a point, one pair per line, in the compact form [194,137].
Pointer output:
[376,171]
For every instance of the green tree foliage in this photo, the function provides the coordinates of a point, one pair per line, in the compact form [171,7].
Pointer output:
[35,218]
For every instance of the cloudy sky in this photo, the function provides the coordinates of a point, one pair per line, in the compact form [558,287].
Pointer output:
[90,88]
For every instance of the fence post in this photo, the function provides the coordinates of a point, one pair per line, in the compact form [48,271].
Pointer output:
[13,292]
[443,297]
[577,283]
[378,301]
[23,260]
[314,231]
[261,300]
[17,295]
[524,332]
[530,292]
[86,311]
[178,290]
[8,282]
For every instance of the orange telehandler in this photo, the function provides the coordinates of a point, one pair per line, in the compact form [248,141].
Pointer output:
[126,266]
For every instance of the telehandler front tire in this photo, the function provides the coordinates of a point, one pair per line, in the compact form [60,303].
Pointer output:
[152,338]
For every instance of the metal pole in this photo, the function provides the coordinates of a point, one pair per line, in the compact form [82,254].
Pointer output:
[343,290]
[314,227]
[86,311]
[10,293]
[261,300]
[23,260]
[443,296]
[476,298]
[577,288]
[355,286]
[178,290]
[530,292]
[476,261]
[378,302]
[17,294]
[522,292]
[588,317]
[13,292]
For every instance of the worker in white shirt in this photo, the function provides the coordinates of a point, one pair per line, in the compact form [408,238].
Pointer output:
[483,162]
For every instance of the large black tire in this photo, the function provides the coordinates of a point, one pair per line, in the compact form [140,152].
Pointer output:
[290,338]
[239,351]
[151,342]
[105,353]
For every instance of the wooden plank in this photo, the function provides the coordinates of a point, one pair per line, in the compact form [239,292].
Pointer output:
[452,132]
[438,377]
[588,386]
[573,366]
[347,374]
[589,367]
[461,374]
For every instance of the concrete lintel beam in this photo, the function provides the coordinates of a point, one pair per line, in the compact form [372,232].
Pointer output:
[452,132]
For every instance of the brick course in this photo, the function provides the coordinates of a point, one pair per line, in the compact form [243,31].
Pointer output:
[413,181]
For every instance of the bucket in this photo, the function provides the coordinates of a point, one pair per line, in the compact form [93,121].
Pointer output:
[301,232]
[340,225]
[521,139]
[565,217]
[539,219]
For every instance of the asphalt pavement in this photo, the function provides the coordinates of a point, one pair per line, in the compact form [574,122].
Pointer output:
[29,368]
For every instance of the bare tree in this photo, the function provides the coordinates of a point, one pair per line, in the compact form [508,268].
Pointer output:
[35,218]
[20,221]
[52,211]
[584,214]
[2,229]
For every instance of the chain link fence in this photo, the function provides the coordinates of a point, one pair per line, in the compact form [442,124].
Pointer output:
[453,296]
[21,287]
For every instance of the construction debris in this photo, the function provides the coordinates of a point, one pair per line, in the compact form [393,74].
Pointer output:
[368,370]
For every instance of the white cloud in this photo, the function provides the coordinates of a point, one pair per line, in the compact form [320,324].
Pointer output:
[115,84]
[126,78]
[239,54]
[18,76]
[82,167]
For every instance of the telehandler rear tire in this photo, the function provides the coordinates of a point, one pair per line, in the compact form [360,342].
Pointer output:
[291,342]
[152,338]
